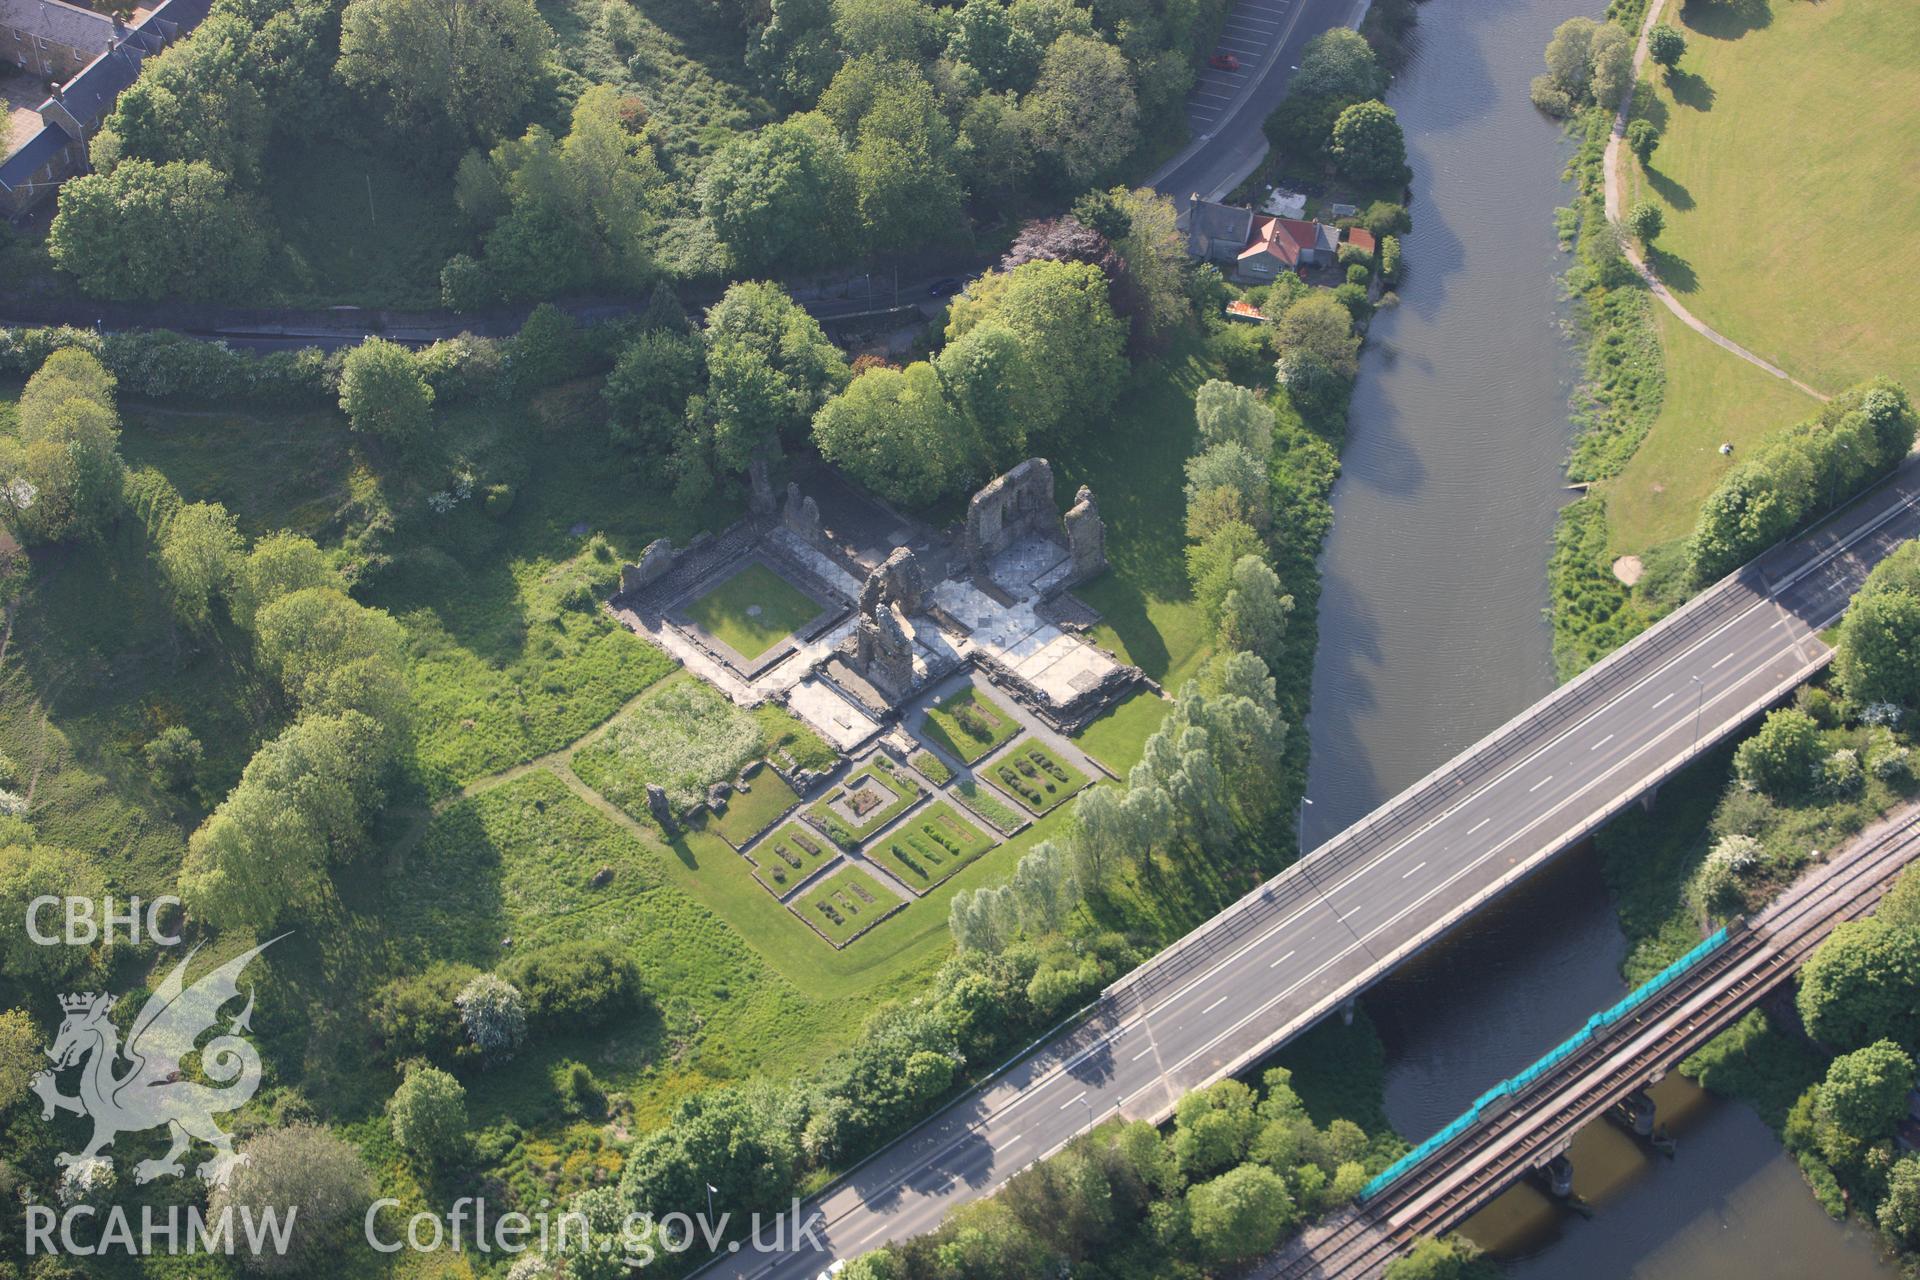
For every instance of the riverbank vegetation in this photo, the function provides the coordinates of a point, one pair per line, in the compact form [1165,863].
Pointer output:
[1665,415]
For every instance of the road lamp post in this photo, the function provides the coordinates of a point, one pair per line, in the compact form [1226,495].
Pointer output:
[1300,840]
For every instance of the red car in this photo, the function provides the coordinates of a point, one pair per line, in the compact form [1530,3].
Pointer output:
[1224,62]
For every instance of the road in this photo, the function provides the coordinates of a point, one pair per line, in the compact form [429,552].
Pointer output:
[1227,108]
[1341,918]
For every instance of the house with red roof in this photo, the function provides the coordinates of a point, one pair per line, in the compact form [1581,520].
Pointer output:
[1252,248]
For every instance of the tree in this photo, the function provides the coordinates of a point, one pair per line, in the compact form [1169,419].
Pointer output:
[1899,1213]
[173,757]
[648,389]
[383,393]
[575,986]
[1213,1128]
[463,67]
[301,806]
[1861,984]
[198,557]
[61,477]
[1082,108]
[987,376]
[494,1015]
[1643,136]
[769,370]
[1155,253]
[991,152]
[888,28]
[782,195]
[1368,146]
[1253,616]
[1073,341]
[1210,563]
[20,1056]
[196,101]
[895,432]
[1320,326]
[794,56]
[901,159]
[414,1016]
[314,1179]
[1645,221]
[1338,64]
[731,1138]
[1570,58]
[331,654]
[1878,654]
[1783,757]
[1612,55]
[1443,1258]
[279,565]
[1242,1213]
[45,871]
[1230,414]
[1230,466]
[1666,45]
[146,231]
[429,1115]
[1865,1092]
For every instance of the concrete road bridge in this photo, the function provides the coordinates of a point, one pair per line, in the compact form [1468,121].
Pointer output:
[1341,918]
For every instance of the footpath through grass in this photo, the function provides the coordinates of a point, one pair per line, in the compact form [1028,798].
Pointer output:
[1786,173]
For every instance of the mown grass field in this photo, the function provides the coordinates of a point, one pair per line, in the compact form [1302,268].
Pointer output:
[1712,396]
[752,610]
[1787,176]
[967,724]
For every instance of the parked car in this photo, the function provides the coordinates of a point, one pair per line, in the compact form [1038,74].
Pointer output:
[946,287]
[1224,62]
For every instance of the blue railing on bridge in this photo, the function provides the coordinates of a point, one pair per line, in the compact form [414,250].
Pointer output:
[1571,1045]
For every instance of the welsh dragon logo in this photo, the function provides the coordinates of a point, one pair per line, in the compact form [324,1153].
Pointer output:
[151,1091]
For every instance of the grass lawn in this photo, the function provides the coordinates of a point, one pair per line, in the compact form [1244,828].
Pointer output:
[1035,776]
[845,905]
[870,796]
[1136,465]
[930,846]
[753,610]
[1790,242]
[751,812]
[967,724]
[789,856]
[1712,396]
[986,803]
[685,735]
[1118,738]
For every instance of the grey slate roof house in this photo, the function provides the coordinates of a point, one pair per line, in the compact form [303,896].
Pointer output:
[76,108]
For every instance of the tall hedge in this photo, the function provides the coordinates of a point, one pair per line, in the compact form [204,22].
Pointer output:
[1804,471]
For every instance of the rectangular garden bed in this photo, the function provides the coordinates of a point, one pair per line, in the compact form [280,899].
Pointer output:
[967,724]
[845,905]
[751,812]
[931,767]
[988,805]
[1036,777]
[870,798]
[789,856]
[930,846]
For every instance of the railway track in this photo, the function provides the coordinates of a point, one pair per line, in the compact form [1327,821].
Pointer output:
[1438,1194]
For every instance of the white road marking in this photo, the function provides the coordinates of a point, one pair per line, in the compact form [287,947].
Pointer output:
[1070,1101]
[1663,702]
[1143,1053]
[1603,742]
[1476,826]
[1282,960]
[1215,1005]
[1716,666]
[1415,867]
[1536,786]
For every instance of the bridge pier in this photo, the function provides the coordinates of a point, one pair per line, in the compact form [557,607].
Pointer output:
[1634,1113]
[1556,1176]
[1648,797]
[1346,1011]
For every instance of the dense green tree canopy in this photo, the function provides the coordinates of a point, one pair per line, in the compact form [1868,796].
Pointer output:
[1338,64]
[148,231]
[1368,146]
[455,67]
[429,1116]
[896,432]
[1862,984]
[61,476]
[383,393]
[1082,109]
[1073,340]
[1783,758]
[783,195]
[769,369]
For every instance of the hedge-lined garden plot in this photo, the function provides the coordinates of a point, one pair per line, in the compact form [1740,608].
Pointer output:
[751,812]
[931,767]
[789,856]
[869,799]
[1035,776]
[930,846]
[968,724]
[987,805]
[845,905]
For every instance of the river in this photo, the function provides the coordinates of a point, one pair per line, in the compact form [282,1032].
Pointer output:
[1432,633]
